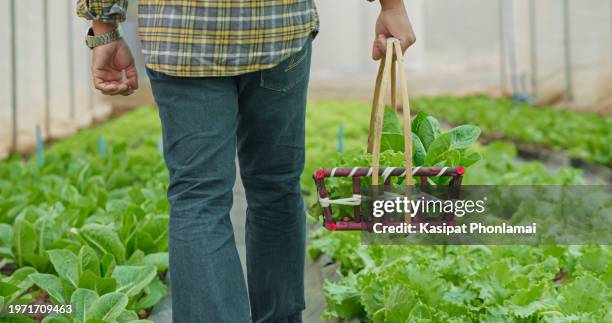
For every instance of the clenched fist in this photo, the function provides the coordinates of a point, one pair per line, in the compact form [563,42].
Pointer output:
[109,64]
[393,21]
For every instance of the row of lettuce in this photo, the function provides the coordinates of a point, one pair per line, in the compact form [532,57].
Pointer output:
[389,283]
[581,135]
[87,228]
[399,283]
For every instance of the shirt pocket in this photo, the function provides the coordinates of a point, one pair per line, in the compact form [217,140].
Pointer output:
[284,76]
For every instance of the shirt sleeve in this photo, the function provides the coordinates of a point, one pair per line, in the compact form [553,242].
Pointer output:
[102,10]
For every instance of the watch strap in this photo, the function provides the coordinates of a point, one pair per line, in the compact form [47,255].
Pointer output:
[93,41]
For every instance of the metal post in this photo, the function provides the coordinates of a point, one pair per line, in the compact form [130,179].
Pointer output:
[569,91]
[533,48]
[509,26]
[70,56]
[14,75]
[47,67]
[40,157]
[101,147]
[502,49]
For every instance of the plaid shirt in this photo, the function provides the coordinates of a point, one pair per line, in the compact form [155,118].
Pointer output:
[201,38]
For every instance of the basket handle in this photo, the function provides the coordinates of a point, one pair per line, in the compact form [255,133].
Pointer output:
[392,60]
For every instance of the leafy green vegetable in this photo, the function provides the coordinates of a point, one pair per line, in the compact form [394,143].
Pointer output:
[159,260]
[66,265]
[426,128]
[581,135]
[463,137]
[82,300]
[132,279]
[108,307]
[88,261]
[51,284]
[24,239]
[104,240]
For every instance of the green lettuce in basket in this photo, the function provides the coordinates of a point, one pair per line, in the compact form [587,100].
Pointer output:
[430,147]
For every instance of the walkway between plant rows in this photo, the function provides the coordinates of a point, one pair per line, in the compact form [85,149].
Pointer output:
[315,299]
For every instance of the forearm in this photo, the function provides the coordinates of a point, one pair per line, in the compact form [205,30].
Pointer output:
[391,4]
[100,27]
[107,11]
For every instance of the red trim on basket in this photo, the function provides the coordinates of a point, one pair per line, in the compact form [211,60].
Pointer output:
[460,170]
[320,174]
[331,226]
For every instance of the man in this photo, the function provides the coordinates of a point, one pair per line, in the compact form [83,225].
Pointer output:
[228,76]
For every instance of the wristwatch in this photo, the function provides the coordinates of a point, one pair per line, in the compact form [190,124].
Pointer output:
[93,41]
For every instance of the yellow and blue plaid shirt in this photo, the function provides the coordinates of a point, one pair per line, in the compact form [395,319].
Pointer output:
[201,38]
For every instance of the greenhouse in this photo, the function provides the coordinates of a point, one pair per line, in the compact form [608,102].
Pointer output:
[305,161]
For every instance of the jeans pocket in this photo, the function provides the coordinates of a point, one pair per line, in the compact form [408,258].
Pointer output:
[284,76]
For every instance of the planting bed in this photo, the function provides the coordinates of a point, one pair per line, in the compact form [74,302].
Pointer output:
[89,227]
[459,283]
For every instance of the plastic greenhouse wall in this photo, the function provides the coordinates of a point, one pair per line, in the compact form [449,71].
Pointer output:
[45,76]
[547,51]
[544,51]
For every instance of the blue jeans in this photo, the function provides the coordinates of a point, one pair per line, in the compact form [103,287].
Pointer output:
[205,121]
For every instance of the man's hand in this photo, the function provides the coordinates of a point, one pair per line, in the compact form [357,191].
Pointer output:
[392,22]
[110,61]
